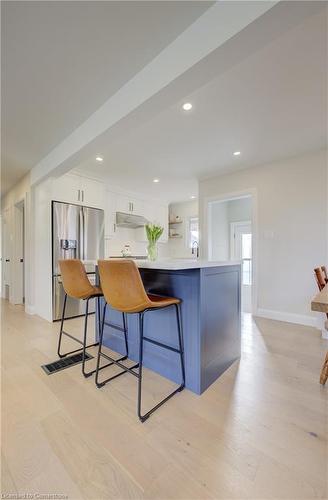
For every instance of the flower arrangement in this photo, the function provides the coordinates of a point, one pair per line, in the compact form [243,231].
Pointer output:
[153,232]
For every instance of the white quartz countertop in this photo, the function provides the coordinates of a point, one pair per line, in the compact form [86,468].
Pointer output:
[179,264]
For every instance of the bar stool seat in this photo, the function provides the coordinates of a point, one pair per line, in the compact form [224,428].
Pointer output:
[159,300]
[124,291]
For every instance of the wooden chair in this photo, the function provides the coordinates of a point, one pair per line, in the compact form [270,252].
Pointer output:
[325,274]
[321,277]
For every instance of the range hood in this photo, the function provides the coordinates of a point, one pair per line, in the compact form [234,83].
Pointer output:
[130,220]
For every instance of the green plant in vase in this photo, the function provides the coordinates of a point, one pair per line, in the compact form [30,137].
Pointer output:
[154,232]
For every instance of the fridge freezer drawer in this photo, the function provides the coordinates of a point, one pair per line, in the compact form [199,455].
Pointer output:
[74,307]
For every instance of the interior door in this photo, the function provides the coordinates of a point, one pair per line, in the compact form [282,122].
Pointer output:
[17,295]
[6,253]
[242,250]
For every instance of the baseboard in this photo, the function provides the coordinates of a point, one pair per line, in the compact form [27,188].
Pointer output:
[29,309]
[298,319]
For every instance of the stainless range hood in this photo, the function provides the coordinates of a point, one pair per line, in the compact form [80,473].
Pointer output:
[130,220]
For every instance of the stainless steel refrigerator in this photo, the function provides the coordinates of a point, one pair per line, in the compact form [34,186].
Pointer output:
[77,233]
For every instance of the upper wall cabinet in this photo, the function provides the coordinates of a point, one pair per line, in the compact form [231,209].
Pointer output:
[129,205]
[79,190]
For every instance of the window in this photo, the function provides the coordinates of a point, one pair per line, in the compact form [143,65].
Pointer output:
[193,232]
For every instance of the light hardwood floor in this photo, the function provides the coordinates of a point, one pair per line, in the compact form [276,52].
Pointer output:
[259,432]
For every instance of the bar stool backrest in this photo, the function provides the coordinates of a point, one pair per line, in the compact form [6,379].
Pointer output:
[319,278]
[325,274]
[75,280]
[122,286]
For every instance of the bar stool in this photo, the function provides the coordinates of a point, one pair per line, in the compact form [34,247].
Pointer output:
[77,285]
[124,291]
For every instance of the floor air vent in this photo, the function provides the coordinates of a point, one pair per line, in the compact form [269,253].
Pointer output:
[66,362]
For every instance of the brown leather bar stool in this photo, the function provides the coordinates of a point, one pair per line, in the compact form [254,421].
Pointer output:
[77,285]
[124,291]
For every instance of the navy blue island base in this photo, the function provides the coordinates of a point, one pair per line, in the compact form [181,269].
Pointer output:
[211,319]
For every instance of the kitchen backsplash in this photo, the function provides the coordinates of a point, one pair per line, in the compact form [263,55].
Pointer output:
[113,247]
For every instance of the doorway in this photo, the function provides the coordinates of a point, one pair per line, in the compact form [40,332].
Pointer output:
[230,237]
[18,277]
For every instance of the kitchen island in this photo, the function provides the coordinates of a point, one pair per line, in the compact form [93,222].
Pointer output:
[211,313]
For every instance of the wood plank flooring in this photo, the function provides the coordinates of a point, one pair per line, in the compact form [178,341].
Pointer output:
[259,432]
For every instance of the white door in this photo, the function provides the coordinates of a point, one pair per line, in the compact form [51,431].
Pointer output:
[241,245]
[6,253]
[17,282]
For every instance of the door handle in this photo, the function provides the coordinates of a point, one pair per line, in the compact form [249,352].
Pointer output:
[21,260]
[7,260]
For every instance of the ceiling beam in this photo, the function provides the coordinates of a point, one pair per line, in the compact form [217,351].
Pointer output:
[212,29]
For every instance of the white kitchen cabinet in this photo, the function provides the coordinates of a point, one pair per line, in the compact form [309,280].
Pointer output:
[129,205]
[110,214]
[67,188]
[92,193]
[79,190]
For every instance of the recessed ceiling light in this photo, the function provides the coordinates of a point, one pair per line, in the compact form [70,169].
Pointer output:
[187,106]
[193,197]
[155,180]
[99,158]
[236,153]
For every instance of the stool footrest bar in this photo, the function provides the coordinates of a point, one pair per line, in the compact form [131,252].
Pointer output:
[116,327]
[101,384]
[165,346]
[117,362]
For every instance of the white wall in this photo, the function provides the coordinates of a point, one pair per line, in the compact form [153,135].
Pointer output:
[291,199]
[219,232]
[178,247]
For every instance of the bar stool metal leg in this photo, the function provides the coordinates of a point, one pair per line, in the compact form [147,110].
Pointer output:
[180,351]
[62,332]
[181,348]
[112,361]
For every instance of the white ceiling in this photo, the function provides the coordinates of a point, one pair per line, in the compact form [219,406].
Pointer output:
[263,92]
[271,105]
[62,60]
